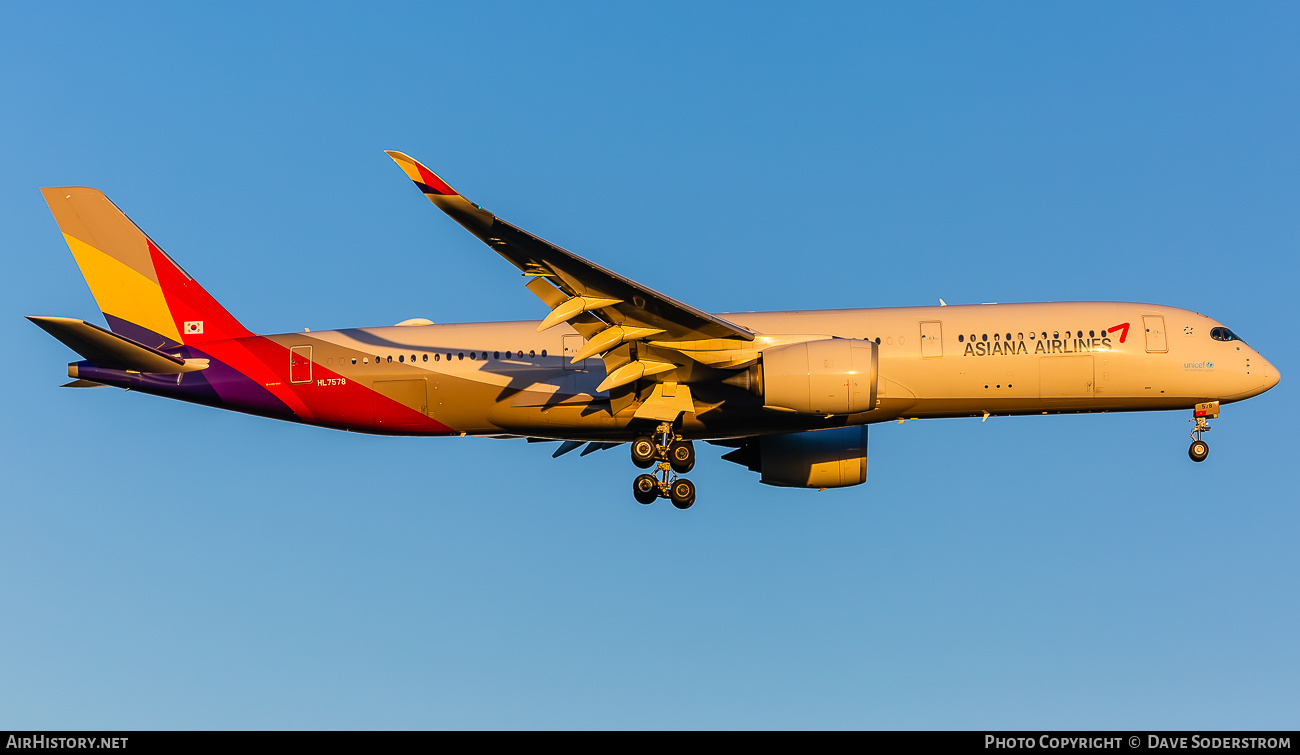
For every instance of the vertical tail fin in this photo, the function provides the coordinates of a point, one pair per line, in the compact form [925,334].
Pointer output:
[142,292]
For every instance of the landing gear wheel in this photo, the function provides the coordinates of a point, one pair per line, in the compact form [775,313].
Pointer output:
[644,452]
[681,454]
[683,494]
[1199,450]
[645,489]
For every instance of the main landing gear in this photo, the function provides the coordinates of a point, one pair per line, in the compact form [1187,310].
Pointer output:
[673,456]
[1201,417]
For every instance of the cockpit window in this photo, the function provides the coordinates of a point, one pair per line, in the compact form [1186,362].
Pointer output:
[1223,334]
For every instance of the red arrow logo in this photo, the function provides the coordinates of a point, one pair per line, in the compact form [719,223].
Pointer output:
[1123,336]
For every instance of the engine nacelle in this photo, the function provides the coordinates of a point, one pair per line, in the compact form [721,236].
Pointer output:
[834,458]
[830,376]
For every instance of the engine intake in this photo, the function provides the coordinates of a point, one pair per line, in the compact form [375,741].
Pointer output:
[835,458]
[831,376]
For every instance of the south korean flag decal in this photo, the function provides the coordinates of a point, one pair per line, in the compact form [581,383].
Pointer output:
[193,327]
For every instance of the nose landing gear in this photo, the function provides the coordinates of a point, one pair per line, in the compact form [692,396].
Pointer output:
[1201,417]
[673,455]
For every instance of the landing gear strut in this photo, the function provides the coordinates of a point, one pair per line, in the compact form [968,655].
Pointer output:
[1201,417]
[673,455]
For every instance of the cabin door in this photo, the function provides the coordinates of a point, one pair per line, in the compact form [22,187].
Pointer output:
[931,340]
[1155,327]
[300,364]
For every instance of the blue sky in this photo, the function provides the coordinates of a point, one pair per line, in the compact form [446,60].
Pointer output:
[170,566]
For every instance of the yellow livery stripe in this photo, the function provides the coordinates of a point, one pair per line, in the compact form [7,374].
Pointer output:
[123,292]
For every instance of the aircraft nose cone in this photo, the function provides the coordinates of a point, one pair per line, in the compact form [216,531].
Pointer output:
[1258,376]
[1270,374]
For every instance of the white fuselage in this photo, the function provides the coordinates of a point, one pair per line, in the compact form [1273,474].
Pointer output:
[942,361]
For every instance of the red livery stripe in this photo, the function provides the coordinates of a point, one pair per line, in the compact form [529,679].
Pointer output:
[433,182]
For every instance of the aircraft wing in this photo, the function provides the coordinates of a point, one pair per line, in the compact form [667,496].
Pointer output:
[606,308]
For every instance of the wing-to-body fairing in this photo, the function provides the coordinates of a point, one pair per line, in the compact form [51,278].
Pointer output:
[613,362]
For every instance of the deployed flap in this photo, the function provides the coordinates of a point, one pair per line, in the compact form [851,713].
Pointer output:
[589,286]
[112,351]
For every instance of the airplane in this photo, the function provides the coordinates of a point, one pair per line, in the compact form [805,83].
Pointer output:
[792,394]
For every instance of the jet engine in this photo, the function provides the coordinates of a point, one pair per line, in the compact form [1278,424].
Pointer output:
[835,458]
[831,376]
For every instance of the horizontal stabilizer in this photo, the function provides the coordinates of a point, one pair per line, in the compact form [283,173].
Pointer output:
[112,351]
[83,384]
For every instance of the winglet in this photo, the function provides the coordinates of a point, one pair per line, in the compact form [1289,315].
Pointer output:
[475,219]
[424,178]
